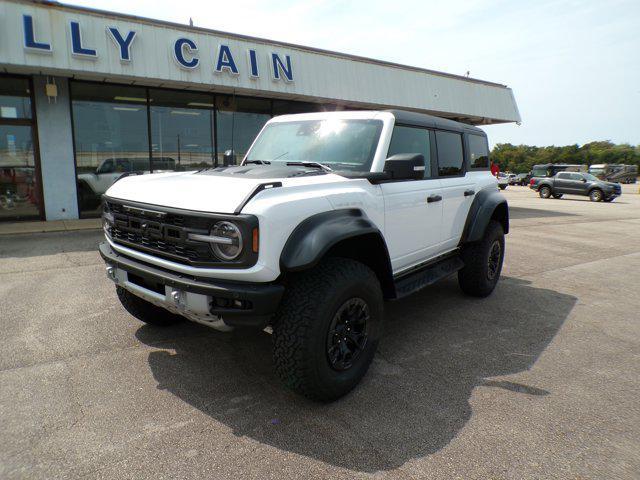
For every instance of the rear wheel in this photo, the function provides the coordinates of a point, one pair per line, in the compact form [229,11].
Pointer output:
[557,196]
[609,200]
[327,329]
[596,195]
[544,192]
[145,311]
[483,262]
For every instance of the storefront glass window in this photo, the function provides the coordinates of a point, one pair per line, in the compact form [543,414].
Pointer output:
[15,99]
[181,130]
[111,138]
[239,121]
[19,185]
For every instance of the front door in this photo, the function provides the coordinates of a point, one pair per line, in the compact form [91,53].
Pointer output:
[413,216]
[413,208]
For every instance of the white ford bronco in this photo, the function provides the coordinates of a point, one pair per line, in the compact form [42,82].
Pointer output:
[328,215]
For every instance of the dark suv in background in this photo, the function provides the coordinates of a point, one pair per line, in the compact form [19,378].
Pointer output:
[576,183]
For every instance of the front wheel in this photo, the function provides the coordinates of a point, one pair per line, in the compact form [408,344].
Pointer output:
[483,262]
[327,329]
[596,195]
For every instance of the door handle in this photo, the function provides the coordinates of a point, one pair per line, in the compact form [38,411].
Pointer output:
[468,193]
[433,198]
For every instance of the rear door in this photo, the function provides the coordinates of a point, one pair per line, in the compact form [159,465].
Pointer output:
[413,208]
[562,183]
[456,186]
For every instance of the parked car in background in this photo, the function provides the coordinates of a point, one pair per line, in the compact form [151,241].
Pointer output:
[523,179]
[615,172]
[503,180]
[576,183]
[550,169]
[512,177]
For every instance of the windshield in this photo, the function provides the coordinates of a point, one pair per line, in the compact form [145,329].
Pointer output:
[540,172]
[338,143]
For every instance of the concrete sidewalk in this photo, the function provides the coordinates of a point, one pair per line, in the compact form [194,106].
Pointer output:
[50,226]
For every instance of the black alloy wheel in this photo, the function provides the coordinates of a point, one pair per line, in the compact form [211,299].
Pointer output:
[348,332]
[494,261]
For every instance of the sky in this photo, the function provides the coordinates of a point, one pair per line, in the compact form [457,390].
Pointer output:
[574,66]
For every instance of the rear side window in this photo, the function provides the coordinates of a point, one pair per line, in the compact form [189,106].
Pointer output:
[478,152]
[564,176]
[411,140]
[450,156]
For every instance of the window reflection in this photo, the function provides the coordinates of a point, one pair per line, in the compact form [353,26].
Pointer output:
[181,130]
[110,132]
[239,121]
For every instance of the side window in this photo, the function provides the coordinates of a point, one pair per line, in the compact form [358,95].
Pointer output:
[564,176]
[478,152]
[576,176]
[411,140]
[450,156]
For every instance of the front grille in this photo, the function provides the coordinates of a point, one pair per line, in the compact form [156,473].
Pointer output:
[161,233]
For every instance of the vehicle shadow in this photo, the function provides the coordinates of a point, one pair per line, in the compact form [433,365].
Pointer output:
[517,213]
[438,346]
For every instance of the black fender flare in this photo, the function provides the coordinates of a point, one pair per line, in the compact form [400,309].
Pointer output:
[486,203]
[315,236]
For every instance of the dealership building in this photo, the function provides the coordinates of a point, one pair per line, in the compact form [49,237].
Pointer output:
[86,95]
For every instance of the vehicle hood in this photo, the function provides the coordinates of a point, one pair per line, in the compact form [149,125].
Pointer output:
[220,190]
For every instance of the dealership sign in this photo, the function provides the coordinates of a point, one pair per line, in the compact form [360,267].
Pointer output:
[184,51]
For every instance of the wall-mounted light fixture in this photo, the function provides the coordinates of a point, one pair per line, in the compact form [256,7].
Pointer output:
[51,90]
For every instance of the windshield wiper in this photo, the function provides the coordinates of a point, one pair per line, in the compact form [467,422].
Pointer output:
[311,164]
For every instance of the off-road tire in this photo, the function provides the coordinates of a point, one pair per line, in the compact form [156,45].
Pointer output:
[596,195]
[145,311]
[544,192]
[301,328]
[475,278]
[557,196]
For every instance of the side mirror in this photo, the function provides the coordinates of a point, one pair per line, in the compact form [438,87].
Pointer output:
[405,166]
[228,158]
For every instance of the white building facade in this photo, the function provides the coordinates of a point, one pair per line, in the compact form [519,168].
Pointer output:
[86,95]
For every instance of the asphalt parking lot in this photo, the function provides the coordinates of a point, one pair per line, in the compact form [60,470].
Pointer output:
[541,380]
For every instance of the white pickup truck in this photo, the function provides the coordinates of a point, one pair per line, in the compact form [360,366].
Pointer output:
[328,215]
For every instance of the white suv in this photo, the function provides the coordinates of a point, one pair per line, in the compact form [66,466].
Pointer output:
[328,215]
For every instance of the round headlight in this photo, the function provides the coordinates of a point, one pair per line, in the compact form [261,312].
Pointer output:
[229,245]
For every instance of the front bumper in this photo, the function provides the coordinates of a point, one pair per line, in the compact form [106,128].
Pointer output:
[203,300]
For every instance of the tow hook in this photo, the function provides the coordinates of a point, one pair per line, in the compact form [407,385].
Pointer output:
[178,297]
[111,273]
